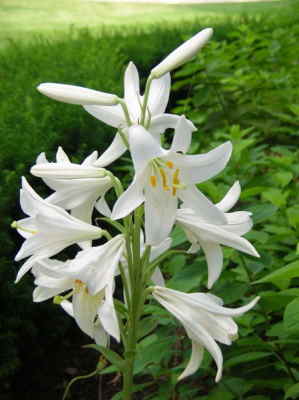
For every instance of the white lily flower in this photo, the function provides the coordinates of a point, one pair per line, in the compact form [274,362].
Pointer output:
[205,321]
[96,268]
[48,230]
[91,277]
[76,94]
[156,250]
[183,53]
[209,236]
[77,186]
[164,176]
[83,307]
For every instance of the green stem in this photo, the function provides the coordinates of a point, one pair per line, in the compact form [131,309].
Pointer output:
[126,111]
[279,354]
[136,266]
[145,100]
[124,138]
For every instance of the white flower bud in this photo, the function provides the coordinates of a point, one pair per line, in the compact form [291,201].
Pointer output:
[182,54]
[77,94]
[68,171]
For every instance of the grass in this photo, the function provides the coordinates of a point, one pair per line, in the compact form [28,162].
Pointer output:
[22,19]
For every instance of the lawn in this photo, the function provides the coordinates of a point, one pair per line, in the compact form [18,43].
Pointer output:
[24,18]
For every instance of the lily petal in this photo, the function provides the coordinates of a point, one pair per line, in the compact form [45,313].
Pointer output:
[183,135]
[160,213]
[143,146]
[195,360]
[159,94]
[157,277]
[103,207]
[131,198]
[116,149]
[231,197]
[159,249]
[219,235]
[61,156]
[203,207]
[132,95]
[160,123]
[199,168]
[110,115]
[214,258]
[107,314]
[85,310]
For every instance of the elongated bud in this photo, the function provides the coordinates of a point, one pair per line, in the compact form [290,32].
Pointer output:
[182,54]
[77,94]
[67,171]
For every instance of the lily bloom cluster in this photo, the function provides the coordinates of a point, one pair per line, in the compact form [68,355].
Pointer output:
[163,187]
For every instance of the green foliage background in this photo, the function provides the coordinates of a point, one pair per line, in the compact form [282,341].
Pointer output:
[244,87]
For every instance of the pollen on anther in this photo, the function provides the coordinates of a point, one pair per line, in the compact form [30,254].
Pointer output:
[176,179]
[153,181]
[169,164]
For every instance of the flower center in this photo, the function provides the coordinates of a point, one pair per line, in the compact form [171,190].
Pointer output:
[79,285]
[165,174]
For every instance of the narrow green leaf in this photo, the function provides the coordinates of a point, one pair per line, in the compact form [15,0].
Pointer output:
[113,357]
[146,325]
[262,212]
[117,396]
[247,357]
[178,237]
[282,277]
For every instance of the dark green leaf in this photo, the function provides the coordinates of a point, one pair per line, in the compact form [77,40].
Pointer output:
[291,317]
[292,392]
[246,358]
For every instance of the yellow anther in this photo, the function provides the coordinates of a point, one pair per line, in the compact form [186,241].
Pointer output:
[153,180]
[175,179]
[169,164]
[78,285]
[164,179]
